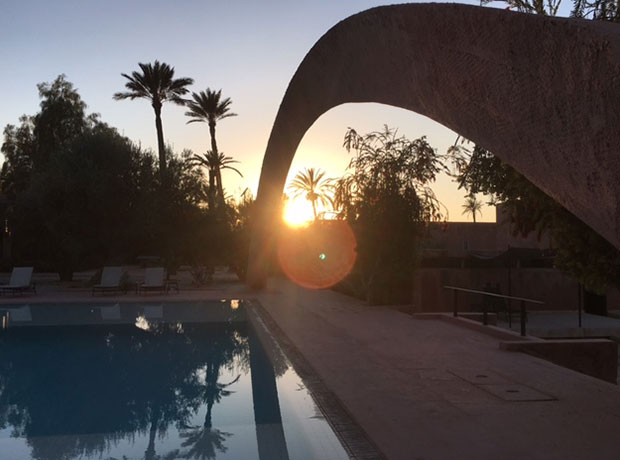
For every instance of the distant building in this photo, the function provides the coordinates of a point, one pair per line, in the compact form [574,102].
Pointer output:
[486,239]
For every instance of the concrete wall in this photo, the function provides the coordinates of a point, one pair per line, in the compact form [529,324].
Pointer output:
[458,239]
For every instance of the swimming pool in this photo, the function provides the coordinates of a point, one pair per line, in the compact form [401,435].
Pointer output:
[189,380]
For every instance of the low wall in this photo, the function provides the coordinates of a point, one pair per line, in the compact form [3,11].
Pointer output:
[595,357]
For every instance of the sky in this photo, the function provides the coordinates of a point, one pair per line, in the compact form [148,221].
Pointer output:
[249,49]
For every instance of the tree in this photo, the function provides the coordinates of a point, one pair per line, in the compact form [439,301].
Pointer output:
[33,155]
[156,83]
[94,196]
[580,252]
[314,186]
[61,121]
[600,10]
[214,164]
[548,7]
[18,150]
[241,233]
[209,107]
[30,147]
[83,203]
[472,206]
[387,200]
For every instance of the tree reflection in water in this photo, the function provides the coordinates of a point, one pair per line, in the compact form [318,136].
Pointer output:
[77,391]
[204,440]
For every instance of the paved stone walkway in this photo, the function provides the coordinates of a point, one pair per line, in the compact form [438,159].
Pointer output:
[427,389]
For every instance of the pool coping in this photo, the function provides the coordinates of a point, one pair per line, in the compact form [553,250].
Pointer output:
[355,441]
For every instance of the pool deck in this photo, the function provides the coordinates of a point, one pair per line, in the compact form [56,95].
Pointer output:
[428,389]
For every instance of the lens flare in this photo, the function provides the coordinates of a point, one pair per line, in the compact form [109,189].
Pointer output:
[317,256]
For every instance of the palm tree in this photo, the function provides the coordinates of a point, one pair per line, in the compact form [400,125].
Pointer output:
[215,162]
[472,206]
[156,83]
[312,184]
[209,107]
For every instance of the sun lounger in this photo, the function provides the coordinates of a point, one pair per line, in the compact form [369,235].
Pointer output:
[21,281]
[153,280]
[110,280]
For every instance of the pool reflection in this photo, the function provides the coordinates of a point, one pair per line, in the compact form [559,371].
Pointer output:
[106,391]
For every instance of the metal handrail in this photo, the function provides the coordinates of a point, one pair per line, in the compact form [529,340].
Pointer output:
[523,301]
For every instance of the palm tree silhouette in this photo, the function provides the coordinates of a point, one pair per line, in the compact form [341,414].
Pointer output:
[204,440]
[472,206]
[156,83]
[209,107]
[312,184]
[215,163]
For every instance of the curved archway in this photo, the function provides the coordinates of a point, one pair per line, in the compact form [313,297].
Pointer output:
[539,92]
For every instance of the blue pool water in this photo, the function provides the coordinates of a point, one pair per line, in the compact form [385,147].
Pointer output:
[171,381]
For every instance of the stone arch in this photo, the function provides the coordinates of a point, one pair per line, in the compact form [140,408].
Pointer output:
[542,93]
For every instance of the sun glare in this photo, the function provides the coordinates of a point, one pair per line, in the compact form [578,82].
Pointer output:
[298,212]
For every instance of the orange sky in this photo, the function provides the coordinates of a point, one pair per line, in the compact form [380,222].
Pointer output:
[322,148]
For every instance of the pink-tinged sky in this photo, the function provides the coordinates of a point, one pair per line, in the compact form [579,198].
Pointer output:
[249,49]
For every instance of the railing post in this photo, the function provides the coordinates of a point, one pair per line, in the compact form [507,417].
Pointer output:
[580,303]
[455,302]
[523,317]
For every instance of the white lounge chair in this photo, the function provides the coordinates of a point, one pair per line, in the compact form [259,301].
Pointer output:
[21,281]
[110,280]
[153,280]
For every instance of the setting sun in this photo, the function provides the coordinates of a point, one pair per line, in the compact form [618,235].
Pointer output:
[297,212]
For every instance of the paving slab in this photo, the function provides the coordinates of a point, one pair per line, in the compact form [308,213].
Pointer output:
[414,385]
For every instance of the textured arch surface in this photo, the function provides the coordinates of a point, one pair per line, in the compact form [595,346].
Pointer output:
[541,93]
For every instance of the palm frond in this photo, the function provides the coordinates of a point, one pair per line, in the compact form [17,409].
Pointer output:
[209,106]
[155,82]
[234,169]
[312,184]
